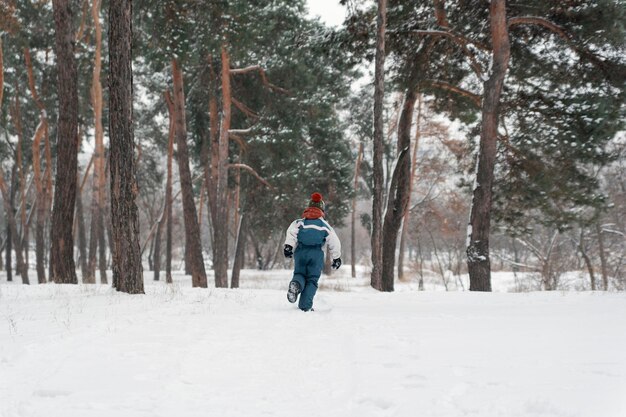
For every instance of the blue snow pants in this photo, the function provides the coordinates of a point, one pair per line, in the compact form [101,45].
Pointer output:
[309,262]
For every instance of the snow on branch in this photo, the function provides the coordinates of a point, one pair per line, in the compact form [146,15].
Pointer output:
[563,34]
[240,131]
[253,172]
[262,74]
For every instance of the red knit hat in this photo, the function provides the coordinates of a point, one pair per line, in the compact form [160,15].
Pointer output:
[317,201]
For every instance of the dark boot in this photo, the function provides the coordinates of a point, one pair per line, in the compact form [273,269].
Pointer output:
[294,290]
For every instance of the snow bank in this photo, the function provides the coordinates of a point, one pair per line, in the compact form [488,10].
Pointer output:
[85,350]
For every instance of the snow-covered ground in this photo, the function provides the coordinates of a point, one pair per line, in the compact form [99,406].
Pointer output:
[85,350]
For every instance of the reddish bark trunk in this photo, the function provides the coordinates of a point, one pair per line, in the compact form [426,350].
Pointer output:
[220,225]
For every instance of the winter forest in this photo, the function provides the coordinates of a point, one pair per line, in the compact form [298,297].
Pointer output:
[469,155]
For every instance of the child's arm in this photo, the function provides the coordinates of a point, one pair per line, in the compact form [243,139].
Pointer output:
[291,238]
[334,245]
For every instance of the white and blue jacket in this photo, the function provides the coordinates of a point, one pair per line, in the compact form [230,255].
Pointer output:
[313,232]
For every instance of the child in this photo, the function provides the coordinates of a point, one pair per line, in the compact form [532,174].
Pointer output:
[308,235]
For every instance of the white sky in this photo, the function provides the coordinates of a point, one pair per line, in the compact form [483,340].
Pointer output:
[331,12]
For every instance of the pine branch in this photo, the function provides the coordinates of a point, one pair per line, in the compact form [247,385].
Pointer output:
[262,74]
[476,99]
[253,172]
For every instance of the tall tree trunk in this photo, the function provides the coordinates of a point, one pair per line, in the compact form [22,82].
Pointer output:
[603,266]
[212,148]
[478,263]
[157,244]
[10,214]
[127,267]
[399,192]
[357,168]
[239,252]
[168,191]
[63,269]
[406,218]
[40,204]
[378,174]
[588,264]
[40,201]
[220,226]
[192,232]
[97,248]
[17,121]
[13,226]
[82,238]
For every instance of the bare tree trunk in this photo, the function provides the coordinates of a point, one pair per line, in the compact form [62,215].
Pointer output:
[63,269]
[212,148]
[239,252]
[40,200]
[588,264]
[399,190]
[96,238]
[10,214]
[378,174]
[102,249]
[407,213]
[17,121]
[82,239]
[478,263]
[220,226]
[40,204]
[6,199]
[192,232]
[13,225]
[127,267]
[168,191]
[357,168]
[157,244]
[603,266]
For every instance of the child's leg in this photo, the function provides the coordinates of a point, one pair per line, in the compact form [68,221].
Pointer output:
[299,272]
[314,270]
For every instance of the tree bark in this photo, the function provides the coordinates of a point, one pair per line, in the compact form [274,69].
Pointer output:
[40,204]
[40,201]
[10,213]
[13,226]
[378,174]
[478,263]
[220,226]
[168,190]
[127,267]
[82,239]
[157,244]
[399,191]
[239,252]
[63,269]
[603,266]
[357,168]
[192,232]
[17,121]
[588,264]
[407,213]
